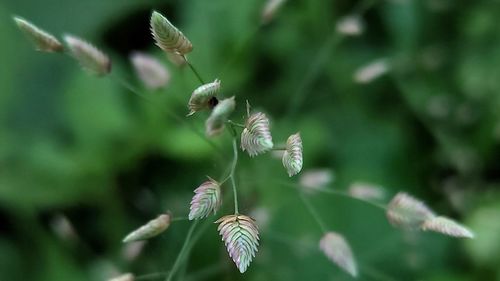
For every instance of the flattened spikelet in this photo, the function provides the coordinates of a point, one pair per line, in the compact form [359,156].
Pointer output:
[89,57]
[256,137]
[241,237]
[150,71]
[447,226]
[216,122]
[337,250]
[371,71]
[207,199]
[350,26]
[408,212]
[42,40]
[201,96]
[292,158]
[149,230]
[270,9]
[167,36]
[366,191]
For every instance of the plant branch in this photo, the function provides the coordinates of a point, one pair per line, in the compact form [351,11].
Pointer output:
[193,69]
[231,175]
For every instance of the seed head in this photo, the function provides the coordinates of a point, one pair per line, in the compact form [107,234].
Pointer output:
[337,250]
[256,137]
[167,36]
[447,226]
[216,122]
[150,71]
[42,40]
[241,237]
[201,96]
[207,199]
[408,212]
[292,158]
[89,57]
[149,230]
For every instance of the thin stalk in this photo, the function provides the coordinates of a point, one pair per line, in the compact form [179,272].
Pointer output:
[150,276]
[231,175]
[182,253]
[179,219]
[313,212]
[347,195]
[193,69]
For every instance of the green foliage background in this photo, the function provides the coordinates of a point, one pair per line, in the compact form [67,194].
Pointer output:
[87,148]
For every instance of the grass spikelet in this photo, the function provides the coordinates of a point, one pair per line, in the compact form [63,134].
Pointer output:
[292,158]
[241,237]
[149,230]
[150,71]
[256,137]
[207,199]
[350,26]
[42,40]
[202,96]
[89,57]
[216,122]
[371,71]
[407,212]
[337,250]
[270,9]
[316,179]
[176,59]
[124,277]
[366,191]
[447,226]
[167,36]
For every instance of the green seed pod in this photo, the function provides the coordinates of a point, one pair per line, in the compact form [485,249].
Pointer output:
[149,230]
[42,40]
[167,36]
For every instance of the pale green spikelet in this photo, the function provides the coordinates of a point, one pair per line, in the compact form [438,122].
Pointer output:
[167,36]
[202,96]
[42,40]
[153,74]
[241,237]
[89,57]
[292,157]
[336,249]
[124,277]
[447,226]
[408,212]
[216,122]
[207,199]
[256,137]
[149,230]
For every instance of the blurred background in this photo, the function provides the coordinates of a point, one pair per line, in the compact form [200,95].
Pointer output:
[398,94]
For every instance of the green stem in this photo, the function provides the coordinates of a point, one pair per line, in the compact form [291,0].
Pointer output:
[150,276]
[313,212]
[182,253]
[347,195]
[193,69]
[231,175]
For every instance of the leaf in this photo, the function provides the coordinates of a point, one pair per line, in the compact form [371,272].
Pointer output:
[207,199]
[336,248]
[447,226]
[256,137]
[241,237]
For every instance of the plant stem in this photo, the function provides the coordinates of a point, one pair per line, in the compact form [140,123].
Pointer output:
[149,276]
[345,194]
[313,212]
[183,252]
[231,175]
[193,69]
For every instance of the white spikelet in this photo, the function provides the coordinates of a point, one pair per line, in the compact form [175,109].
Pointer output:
[124,277]
[316,179]
[350,26]
[407,212]
[371,71]
[292,158]
[256,137]
[89,57]
[42,40]
[366,191]
[447,226]
[270,9]
[150,71]
[207,199]
[215,124]
[202,97]
[149,230]
[337,250]
[241,237]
